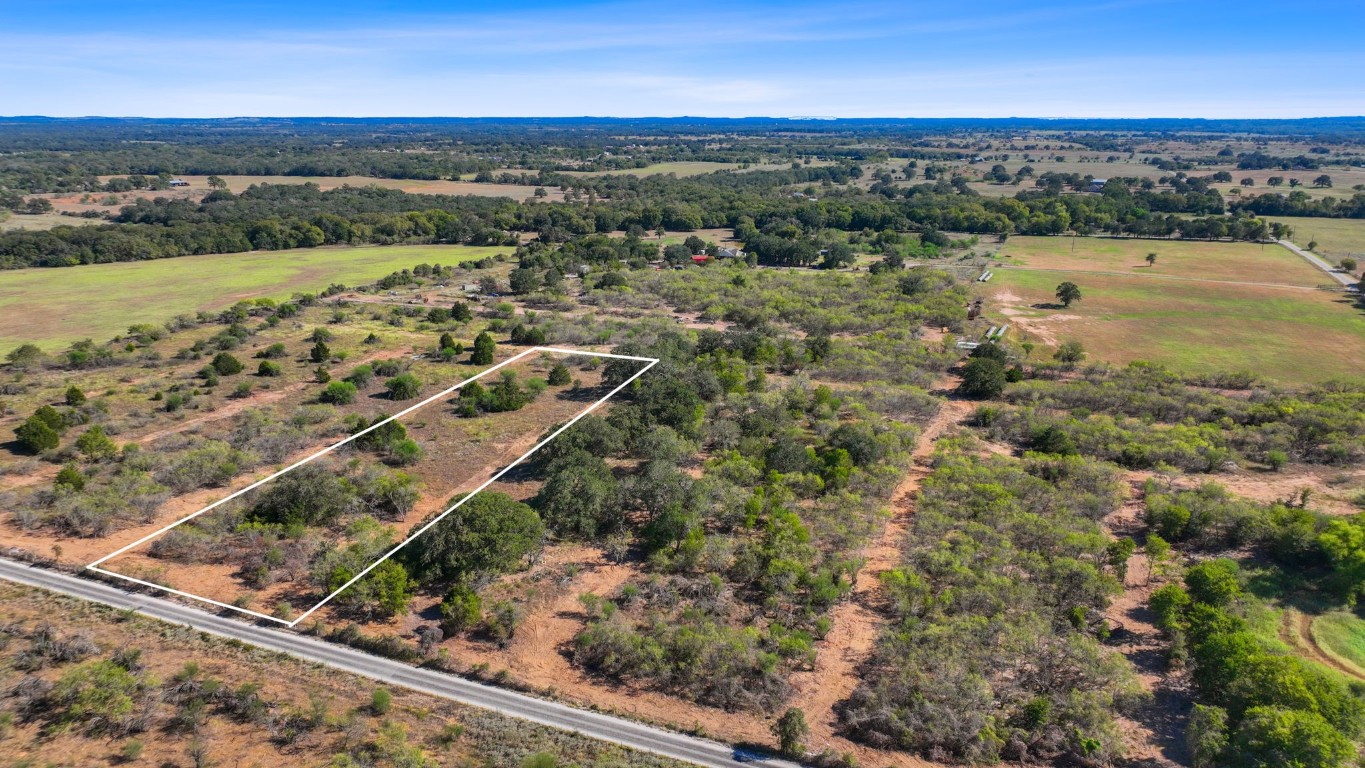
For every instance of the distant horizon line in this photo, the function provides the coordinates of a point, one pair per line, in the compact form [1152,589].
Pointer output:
[784,118]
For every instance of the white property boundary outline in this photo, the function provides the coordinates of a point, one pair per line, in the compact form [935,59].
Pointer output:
[650,362]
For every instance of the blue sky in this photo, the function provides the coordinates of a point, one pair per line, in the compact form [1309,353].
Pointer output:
[944,58]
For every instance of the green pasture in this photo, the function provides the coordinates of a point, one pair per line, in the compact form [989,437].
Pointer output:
[55,306]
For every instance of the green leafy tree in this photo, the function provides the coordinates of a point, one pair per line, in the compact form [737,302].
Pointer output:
[307,495]
[1068,293]
[580,497]
[983,377]
[384,592]
[1151,259]
[490,533]
[523,280]
[460,312]
[1271,737]
[1214,582]
[484,347]
[1169,603]
[1207,735]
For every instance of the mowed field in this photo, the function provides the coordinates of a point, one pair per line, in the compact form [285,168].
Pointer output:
[1175,259]
[1337,238]
[53,307]
[1195,316]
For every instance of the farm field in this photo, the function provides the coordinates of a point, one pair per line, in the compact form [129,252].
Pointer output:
[1289,334]
[53,307]
[1181,259]
[1337,238]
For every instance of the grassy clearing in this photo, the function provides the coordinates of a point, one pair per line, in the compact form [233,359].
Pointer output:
[41,222]
[1245,262]
[1341,635]
[1337,238]
[684,168]
[199,185]
[53,307]
[1292,335]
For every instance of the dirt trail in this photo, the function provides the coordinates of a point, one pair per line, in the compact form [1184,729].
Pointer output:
[1296,630]
[856,621]
[1155,735]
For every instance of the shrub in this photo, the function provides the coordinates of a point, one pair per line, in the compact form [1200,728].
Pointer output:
[381,701]
[74,396]
[226,365]
[96,445]
[267,368]
[1213,582]
[461,609]
[406,452]
[361,375]
[559,375]
[37,436]
[484,348]
[791,730]
[403,387]
[339,393]
[70,477]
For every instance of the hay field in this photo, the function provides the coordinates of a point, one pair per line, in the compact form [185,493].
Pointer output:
[55,306]
[1282,328]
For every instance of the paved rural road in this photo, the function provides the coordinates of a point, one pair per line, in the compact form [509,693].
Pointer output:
[598,726]
[1340,277]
